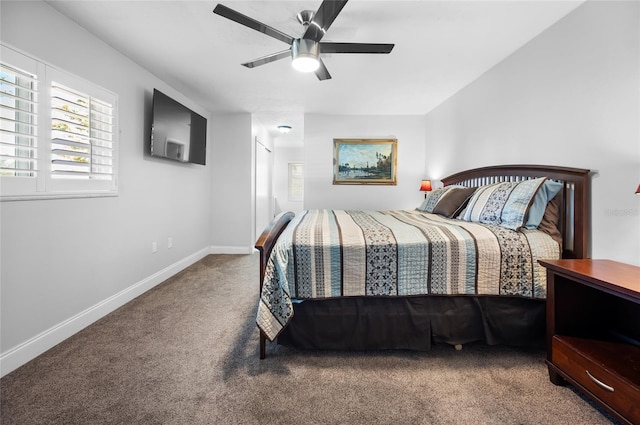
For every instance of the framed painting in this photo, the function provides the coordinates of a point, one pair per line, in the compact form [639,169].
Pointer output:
[365,161]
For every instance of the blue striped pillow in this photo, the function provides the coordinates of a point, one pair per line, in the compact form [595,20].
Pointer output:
[503,204]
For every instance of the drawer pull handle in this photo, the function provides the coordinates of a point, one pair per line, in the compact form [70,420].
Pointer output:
[599,382]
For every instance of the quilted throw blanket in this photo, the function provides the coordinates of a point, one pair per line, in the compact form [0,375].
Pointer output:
[335,253]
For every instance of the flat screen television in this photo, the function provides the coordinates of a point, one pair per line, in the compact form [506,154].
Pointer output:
[177,132]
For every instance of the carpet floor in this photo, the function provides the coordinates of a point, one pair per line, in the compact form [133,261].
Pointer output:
[186,352]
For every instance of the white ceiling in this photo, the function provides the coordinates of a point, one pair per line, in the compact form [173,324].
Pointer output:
[440,47]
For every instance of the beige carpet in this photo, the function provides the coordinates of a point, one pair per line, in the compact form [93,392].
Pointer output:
[186,353]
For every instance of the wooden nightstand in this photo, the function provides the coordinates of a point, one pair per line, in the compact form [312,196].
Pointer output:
[593,331]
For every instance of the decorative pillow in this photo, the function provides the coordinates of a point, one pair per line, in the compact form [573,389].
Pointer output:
[453,201]
[551,220]
[433,196]
[503,204]
[423,205]
[546,193]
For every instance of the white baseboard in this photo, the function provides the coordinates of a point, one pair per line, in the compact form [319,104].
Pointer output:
[30,349]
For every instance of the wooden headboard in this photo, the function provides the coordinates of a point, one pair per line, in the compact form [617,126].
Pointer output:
[575,201]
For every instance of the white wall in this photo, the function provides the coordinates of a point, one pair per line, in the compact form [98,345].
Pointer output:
[263,198]
[320,130]
[233,176]
[67,262]
[569,97]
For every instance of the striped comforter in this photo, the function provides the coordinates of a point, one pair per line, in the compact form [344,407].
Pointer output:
[336,253]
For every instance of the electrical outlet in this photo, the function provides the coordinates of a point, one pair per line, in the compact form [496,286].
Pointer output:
[154,247]
[169,242]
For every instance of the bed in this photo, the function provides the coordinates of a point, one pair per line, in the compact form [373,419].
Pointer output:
[461,267]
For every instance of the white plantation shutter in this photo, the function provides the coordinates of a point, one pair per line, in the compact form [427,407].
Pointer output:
[81,135]
[296,181]
[18,122]
[59,132]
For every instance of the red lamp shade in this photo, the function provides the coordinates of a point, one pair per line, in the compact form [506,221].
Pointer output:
[637,190]
[425,187]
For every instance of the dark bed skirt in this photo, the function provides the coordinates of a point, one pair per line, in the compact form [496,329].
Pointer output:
[414,323]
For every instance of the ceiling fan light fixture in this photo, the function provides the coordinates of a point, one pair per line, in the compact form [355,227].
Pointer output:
[305,54]
[304,51]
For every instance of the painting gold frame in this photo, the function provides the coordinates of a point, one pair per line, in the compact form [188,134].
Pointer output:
[365,161]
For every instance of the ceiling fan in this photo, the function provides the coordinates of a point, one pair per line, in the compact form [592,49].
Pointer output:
[305,51]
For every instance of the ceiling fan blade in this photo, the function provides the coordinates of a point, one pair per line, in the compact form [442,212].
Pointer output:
[322,73]
[238,17]
[269,58]
[322,20]
[328,47]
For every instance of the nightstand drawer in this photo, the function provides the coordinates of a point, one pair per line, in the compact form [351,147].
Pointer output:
[603,382]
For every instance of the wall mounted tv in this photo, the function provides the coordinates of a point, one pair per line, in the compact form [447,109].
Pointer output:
[177,132]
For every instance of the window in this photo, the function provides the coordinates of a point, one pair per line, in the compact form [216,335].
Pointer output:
[59,132]
[296,182]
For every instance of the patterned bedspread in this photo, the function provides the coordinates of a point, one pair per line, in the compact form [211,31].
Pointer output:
[336,253]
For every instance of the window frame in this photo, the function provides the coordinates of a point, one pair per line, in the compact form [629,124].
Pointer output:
[44,185]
